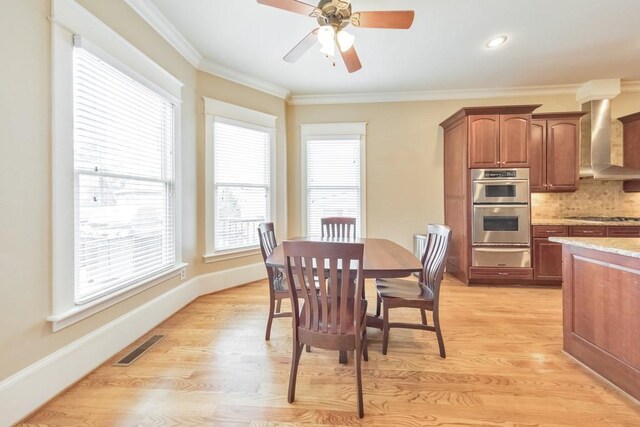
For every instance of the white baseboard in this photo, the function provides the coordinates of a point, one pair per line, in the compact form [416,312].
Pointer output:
[30,388]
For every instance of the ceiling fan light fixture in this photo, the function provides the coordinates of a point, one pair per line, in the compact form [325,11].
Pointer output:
[495,42]
[326,37]
[345,40]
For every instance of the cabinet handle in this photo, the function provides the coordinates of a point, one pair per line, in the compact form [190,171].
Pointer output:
[588,231]
[550,185]
[502,274]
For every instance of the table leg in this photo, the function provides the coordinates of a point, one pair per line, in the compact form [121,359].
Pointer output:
[343,357]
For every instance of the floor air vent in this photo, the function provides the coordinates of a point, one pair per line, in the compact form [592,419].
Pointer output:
[138,351]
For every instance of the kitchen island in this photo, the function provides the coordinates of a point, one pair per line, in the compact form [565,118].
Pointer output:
[601,306]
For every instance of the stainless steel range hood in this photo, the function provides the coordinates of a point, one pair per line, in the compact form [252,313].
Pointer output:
[595,141]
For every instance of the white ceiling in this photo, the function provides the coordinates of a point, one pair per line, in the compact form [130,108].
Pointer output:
[551,42]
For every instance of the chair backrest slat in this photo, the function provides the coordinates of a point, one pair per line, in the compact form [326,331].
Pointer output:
[323,271]
[435,256]
[268,243]
[338,227]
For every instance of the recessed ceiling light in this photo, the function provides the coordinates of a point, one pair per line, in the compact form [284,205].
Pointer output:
[495,42]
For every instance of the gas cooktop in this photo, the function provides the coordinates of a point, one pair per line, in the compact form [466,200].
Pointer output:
[605,218]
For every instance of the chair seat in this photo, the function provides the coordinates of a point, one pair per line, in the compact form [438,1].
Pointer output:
[350,315]
[405,289]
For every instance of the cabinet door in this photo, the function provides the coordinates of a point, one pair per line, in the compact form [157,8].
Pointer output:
[484,133]
[537,157]
[547,260]
[562,155]
[514,140]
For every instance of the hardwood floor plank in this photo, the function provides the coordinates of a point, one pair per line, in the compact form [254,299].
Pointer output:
[504,367]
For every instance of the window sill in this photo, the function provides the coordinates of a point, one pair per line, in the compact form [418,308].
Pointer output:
[224,256]
[79,312]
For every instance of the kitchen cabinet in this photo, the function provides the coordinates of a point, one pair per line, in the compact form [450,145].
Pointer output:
[601,326]
[631,148]
[623,231]
[587,231]
[499,140]
[554,152]
[479,137]
[547,256]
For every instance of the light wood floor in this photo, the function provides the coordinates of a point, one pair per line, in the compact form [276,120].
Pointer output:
[505,367]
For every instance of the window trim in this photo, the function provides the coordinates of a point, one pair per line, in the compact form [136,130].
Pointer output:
[253,119]
[71,21]
[329,132]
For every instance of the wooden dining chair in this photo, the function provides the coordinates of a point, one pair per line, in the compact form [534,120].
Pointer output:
[424,295]
[336,226]
[332,317]
[277,283]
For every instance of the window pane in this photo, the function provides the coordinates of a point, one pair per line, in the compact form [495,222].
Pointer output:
[239,210]
[333,181]
[242,185]
[123,156]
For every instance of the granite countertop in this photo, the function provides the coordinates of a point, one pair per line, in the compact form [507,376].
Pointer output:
[621,245]
[566,221]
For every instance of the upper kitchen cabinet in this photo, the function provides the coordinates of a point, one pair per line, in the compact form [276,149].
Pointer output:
[631,150]
[499,136]
[554,152]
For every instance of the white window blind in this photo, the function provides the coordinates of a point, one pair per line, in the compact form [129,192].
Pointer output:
[124,179]
[333,181]
[241,183]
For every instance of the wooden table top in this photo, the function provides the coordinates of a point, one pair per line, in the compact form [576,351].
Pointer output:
[382,258]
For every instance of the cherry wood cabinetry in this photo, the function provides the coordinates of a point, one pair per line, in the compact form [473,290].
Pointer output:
[554,152]
[601,298]
[587,231]
[623,231]
[631,150]
[547,256]
[499,140]
[479,137]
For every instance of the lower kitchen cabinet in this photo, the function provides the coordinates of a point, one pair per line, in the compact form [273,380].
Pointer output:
[547,259]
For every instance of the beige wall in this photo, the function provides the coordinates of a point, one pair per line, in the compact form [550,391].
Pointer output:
[404,153]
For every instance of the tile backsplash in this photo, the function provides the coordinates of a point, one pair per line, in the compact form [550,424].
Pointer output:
[593,198]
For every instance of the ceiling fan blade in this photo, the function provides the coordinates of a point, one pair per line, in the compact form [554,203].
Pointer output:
[401,19]
[302,47]
[294,6]
[351,60]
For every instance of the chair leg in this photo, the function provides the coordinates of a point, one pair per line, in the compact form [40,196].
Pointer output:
[385,328]
[295,360]
[279,303]
[308,348]
[365,347]
[423,313]
[359,380]
[378,304]
[436,323]
[267,335]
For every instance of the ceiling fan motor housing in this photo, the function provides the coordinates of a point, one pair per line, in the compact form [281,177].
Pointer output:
[331,15]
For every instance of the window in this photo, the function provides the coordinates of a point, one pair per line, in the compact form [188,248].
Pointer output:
[116,229]
[333,174]
[239,177]
[123,142]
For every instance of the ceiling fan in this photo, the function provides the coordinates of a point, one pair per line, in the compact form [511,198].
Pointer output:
[333,17]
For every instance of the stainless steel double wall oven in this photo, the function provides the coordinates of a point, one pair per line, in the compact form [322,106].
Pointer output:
[501,218]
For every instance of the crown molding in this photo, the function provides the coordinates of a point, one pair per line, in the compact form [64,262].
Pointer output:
[159,22]
[150,13]
[439,95]
[630,86]
[432,95]
[239,77]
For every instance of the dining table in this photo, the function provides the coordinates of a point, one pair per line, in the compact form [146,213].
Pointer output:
[382,258]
